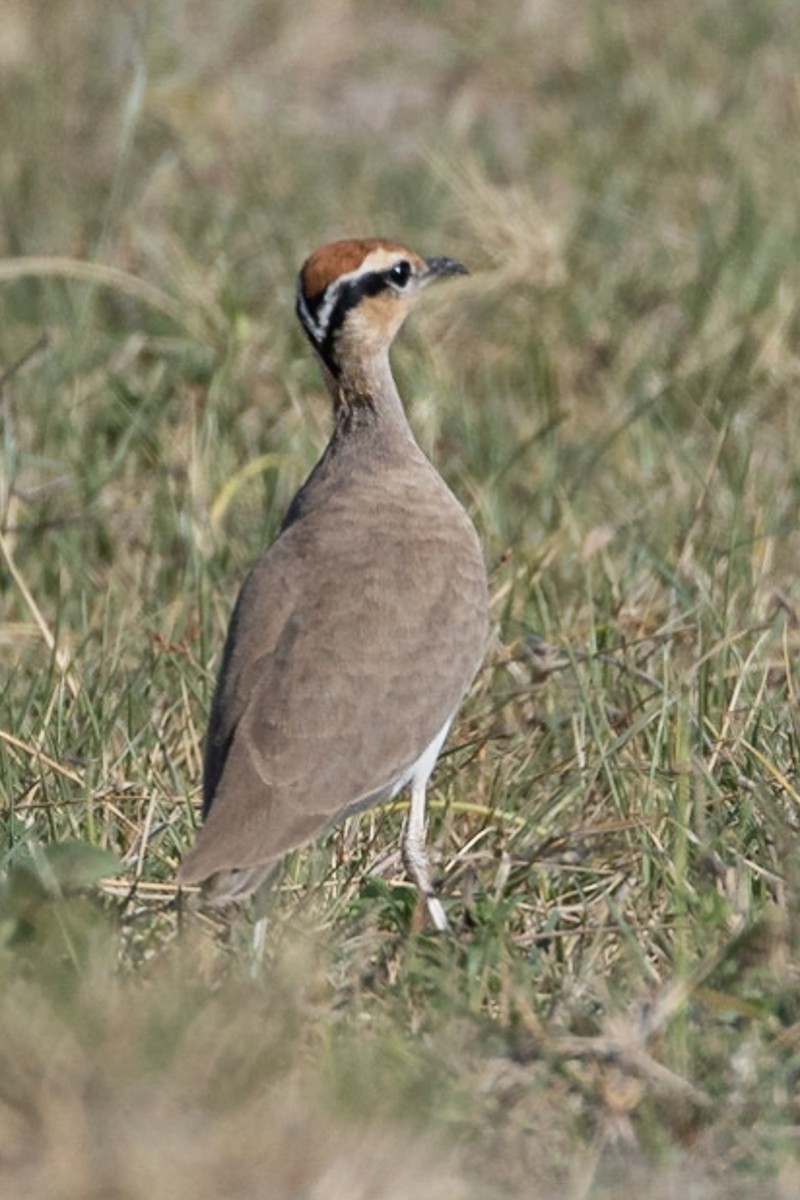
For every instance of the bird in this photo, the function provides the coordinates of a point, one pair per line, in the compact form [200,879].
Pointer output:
[357,634]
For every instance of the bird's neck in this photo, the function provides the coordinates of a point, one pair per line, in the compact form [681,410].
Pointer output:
[370,431]
[365,395]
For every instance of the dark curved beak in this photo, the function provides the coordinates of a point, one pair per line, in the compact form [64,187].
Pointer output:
[438,268]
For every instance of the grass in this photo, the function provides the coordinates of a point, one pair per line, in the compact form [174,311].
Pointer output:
[611,393]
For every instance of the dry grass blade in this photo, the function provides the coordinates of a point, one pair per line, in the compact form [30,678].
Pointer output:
[62,657]
[102,276]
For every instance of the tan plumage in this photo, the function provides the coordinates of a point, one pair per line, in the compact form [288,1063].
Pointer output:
[356,635]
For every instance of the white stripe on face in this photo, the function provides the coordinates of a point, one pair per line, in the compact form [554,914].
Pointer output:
[376,261]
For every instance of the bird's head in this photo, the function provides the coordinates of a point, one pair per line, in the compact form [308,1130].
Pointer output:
[353,296]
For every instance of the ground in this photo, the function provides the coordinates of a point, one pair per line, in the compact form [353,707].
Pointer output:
[612,395]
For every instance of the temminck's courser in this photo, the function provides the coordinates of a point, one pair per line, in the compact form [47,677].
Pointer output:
[357,634]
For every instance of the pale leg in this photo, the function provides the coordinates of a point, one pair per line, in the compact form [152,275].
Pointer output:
[260,921]
[415,855]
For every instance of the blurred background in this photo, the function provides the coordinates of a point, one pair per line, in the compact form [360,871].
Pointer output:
[612,395]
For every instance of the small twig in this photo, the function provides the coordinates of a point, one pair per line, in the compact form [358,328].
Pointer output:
[40,756]
[630,1057]
[14,368]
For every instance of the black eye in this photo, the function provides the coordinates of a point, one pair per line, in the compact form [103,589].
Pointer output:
[400,273]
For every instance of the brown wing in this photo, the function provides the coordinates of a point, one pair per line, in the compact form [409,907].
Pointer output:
[353,642]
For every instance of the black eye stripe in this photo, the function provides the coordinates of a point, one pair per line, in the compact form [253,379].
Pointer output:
[323,314]
[340,297]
